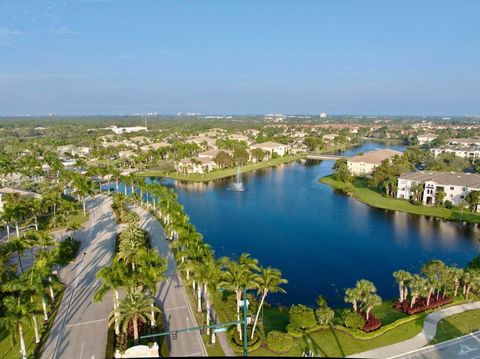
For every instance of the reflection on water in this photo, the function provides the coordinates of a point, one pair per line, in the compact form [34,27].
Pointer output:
[322,241]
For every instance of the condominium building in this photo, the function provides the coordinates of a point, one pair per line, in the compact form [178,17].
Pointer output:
[364,164]
[455,185]
[464,152]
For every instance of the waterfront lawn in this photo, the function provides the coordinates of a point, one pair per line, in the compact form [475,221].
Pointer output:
[361,192]
[457,325]
[229,172]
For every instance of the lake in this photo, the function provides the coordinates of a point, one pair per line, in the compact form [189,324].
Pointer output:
[321,240]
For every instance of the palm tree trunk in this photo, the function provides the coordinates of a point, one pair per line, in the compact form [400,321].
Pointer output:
[84,206]
[152,320]
[239,328]
[8,231]
[35,328]
[52,294]
[44,306]
[17,229]
[199,298]
[115,313]
[456,290]
[258,313]
[23,349]
[116,184]
[412,302]
[135,329]
[20,261]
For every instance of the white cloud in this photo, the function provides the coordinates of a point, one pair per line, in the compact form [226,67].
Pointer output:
[7,36]
[63,30]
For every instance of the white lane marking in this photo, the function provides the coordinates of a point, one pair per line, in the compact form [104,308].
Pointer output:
[81,351]
[84,323]
[174,308]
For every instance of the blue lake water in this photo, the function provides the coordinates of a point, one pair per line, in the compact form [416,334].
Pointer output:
[322,241]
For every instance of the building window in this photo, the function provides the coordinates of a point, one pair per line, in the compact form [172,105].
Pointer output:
[462,197]
[451,196]
[452,188]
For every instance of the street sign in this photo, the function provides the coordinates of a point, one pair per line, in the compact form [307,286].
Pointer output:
[246,302]
[221,329]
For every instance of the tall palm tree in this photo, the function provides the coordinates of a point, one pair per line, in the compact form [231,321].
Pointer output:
[269,281]
[352,296]
[18,245]
[136,306]
[418,287]
[18,310]
[371,301]
[402,277]
[113,278]
[44,239]
[73,227]
[83,188]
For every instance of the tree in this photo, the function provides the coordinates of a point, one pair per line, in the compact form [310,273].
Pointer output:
[240,156]
[135,307]
[302,317]
[352,296]
[341,171]
[439,198]
[269,281]
[83,188]
[113,278]
[258,154]
[473,200]
[352,320]
[371,301]
[402,277]
[324,313]
[223,159]
[435,272]
[418,287]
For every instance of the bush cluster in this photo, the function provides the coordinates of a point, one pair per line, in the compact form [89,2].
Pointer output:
[67,251]
[279,342]
[373,323]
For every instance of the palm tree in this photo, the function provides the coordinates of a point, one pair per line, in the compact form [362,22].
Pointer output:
[18,245]
[456,274]
[402,277]
[418,287]
[18,310]
[133,308]
[352,296]
[269,281]
[73,227]
[131,240]
[371,301]
[83,188]
[45,239]
[113,278]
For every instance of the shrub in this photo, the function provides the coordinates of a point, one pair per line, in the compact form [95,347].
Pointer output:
[279,342]
[373,323]
[324,315]
[302,317]
[67,250]
[448,204]
[421,304]
[352,320]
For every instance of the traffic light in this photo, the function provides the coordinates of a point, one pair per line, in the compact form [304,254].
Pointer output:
[202,331]
[174,335]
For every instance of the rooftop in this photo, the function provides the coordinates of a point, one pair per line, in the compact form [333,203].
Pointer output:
[377,156]
[445,178]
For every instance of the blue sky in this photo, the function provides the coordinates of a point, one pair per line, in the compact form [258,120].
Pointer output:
[240,57]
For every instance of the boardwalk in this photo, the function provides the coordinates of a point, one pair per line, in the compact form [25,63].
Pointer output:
[325,157]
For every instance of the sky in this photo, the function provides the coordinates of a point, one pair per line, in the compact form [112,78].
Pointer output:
[86,57]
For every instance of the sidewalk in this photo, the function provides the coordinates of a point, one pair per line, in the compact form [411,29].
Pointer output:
[420,340]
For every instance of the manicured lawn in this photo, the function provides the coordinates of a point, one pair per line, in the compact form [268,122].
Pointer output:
[457,325]
[360,191]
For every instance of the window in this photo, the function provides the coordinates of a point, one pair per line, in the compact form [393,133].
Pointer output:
[462,197]
[451,196]
[452,188]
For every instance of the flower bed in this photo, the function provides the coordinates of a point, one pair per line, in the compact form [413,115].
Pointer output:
[421,304]
[373,323]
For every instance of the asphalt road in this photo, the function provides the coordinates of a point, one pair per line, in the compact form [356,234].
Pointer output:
[80,328]
[466,347]
[171,296]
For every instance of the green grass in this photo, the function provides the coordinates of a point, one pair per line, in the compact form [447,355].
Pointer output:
[361,192]
[457,325]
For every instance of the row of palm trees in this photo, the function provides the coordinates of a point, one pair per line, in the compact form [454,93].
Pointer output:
[26,294]
[437,280]
[135,271]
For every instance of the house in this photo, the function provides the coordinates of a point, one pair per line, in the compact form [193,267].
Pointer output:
[455,185]
[7,190]
[200,165]
[126,155]
[73,150]
[140,139]
[154,146]
[426,138]
[202,140]
[239,137]
[331,137]
[364,164]
[464,142]
[212,153]
[272,147]
[470,153]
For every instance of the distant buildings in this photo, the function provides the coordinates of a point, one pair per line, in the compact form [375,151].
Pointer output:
[200,165]
[364,164]
[426,138]
[120,130]
[470,153]
[21,193]
[455,185]
[323,115]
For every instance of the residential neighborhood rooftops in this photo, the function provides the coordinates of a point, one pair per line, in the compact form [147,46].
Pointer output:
[376,156]
[268,144]
[445,178]
[22,193]
[212,153]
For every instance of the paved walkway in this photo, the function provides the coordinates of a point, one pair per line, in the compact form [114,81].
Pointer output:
[171,296]
[421,339]
[80,327]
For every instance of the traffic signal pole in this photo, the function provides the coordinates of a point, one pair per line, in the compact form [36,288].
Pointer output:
[173,333]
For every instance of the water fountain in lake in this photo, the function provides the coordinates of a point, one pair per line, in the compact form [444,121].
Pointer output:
[238,184]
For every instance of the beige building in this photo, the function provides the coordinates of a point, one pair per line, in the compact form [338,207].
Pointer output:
[21,193]
[199,165]
[455,185]
[271,147]
[364,164]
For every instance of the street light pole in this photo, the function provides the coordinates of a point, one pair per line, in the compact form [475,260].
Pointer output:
[245,336]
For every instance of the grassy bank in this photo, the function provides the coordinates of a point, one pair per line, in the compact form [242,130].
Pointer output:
[457,325]
[359,190]
[229,172]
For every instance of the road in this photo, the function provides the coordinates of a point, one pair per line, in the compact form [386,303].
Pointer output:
[80,327]
[171,296]
[466,347]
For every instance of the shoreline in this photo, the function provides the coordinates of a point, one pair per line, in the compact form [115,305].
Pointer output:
[361,193]
[230,172]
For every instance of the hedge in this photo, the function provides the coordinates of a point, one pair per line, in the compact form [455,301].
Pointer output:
[279,342]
